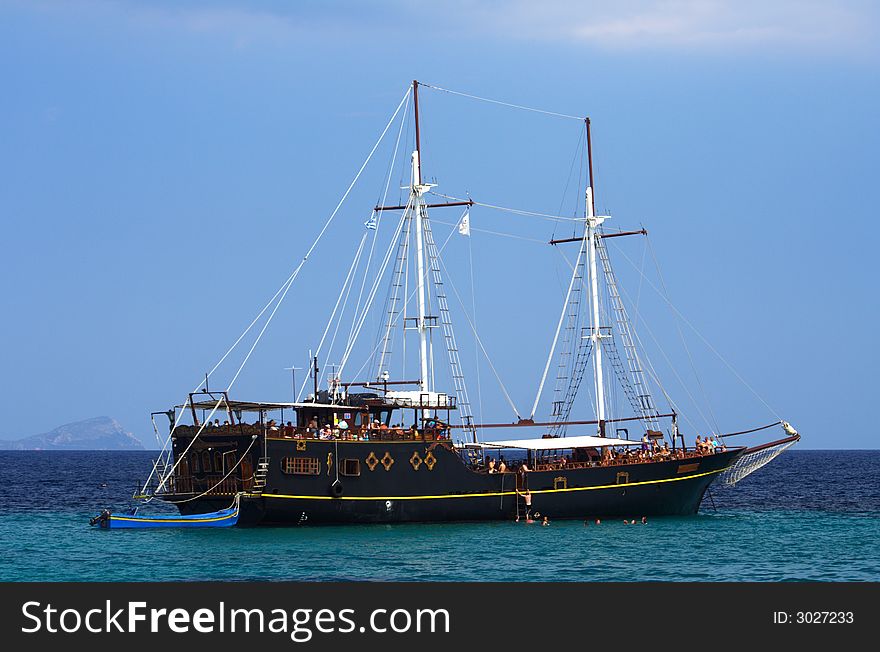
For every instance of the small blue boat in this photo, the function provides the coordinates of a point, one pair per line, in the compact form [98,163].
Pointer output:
[224,518]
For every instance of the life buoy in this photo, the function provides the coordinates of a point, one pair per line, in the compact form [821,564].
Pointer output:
[336,489]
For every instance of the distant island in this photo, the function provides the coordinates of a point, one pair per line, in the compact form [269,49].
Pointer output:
[99,433]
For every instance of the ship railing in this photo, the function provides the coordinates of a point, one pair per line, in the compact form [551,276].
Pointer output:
[365,434]
[353,433]
[229,429]
[620,460]
[211,484]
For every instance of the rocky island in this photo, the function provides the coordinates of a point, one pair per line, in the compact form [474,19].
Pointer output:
[98,433]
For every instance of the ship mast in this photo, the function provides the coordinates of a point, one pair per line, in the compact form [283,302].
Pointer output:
[418,206]
[592,224]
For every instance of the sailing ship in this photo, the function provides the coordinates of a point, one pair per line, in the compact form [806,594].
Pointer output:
[382,449]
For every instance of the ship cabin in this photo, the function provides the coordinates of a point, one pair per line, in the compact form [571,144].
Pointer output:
[220,451]
[364,416]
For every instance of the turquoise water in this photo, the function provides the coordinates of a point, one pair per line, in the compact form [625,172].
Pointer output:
[810,515]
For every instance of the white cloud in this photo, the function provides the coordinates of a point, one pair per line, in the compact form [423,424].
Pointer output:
[798,26]
[710,25]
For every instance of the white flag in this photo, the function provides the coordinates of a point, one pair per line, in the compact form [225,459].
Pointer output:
[464,227]
[372,222]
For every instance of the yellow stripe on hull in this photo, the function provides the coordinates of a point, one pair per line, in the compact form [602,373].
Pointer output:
[489,494]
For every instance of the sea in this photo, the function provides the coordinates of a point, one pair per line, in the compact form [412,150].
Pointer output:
[807,516]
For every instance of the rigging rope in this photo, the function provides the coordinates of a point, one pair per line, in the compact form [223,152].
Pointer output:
[343,298]
[397,318]
[399,273]
[687,349]
[655,376]
[380,340]
[221,480]
[213,369]
[283,291]
[577,194]
[474,313]
[508,104]
[323,230]
[479,341]
[705,341]
[379,221]
[371,296]
[565,308]
[746,432]
[170,473]
[506,235]
[156,430]
[516,211]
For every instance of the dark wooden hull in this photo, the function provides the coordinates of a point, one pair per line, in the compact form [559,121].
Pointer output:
[429,482]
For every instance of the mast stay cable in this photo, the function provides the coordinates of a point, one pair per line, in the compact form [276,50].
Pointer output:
[282,292]
[508,104]
[703,338]
[565,309]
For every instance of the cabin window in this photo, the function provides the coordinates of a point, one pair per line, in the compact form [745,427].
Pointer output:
[300,465]
[229,460]
[183,470]
[206,461]
[218,462]
[350,467]
[196,463]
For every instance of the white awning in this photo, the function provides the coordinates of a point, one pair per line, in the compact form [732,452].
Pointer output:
[553,443]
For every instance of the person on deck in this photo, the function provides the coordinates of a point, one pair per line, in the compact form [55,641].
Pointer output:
[502,467]
[492,468]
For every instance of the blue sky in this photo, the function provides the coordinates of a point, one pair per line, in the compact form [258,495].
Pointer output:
[165,165]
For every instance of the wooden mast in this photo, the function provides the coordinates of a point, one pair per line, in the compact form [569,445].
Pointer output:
[418,135]
[418,189]
[592,223]
[589,162]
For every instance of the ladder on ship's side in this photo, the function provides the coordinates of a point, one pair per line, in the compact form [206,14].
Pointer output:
[261,474]
[523,504]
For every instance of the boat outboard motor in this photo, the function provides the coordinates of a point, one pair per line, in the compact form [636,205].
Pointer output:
[101,519]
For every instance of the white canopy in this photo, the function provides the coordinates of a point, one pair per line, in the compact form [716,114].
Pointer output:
[551,443]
